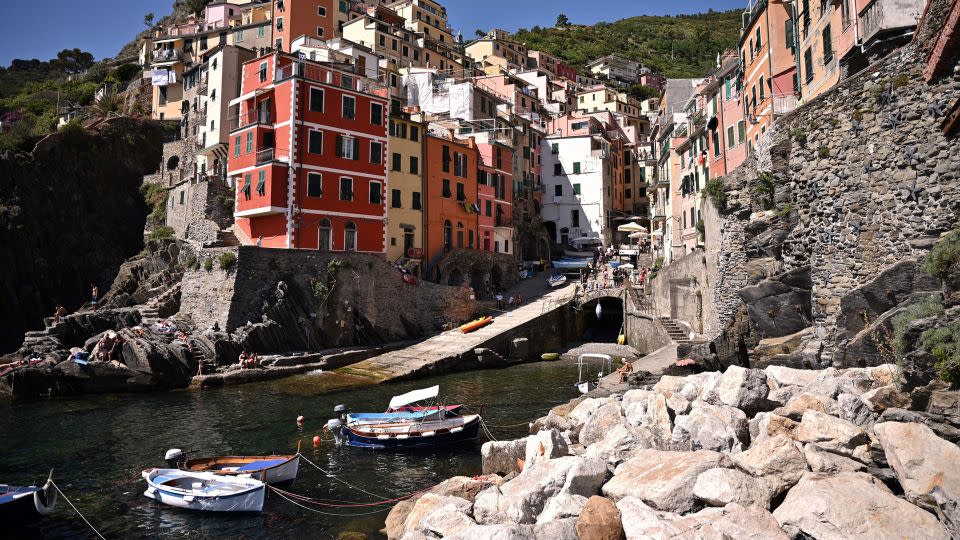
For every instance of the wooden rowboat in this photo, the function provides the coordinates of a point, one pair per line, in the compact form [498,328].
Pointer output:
[267,469]
[477,324]
[204,491]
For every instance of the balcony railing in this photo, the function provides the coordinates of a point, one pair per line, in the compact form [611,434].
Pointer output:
[658,212]
[265,155]
[167,55]
[784,104]
[248,119]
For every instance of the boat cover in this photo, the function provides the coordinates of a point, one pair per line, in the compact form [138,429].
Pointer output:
[414,396]
[257,465]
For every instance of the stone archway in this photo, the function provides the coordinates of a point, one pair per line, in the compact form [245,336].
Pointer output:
[478,277]
[496,276]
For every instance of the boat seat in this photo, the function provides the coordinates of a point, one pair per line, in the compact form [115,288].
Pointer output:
[162,480]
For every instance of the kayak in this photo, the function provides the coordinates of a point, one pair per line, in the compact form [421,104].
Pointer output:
[474,325]
[550,356]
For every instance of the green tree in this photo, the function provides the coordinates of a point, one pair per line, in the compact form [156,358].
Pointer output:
[196,6]
[562,21]
[74,61]
[642,92]
[479,33]
[148,20]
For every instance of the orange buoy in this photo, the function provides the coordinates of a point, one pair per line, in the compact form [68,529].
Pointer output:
[316,440]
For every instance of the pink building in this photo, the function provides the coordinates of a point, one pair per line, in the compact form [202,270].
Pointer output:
[653,80]
[726,125]
[517,91]
[219,14]
[495,195]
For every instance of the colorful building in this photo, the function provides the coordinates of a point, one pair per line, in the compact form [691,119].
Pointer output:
[405,217]
[616,69]
[450,195]
[495,192]
[819,27]
[497,52]
[307,157]
[322,19]
[550,65]
[724,113]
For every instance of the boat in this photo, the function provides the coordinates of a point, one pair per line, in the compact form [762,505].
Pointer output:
[410,435]
[476,325]
[402,408]
[21,505]
[267,469]
[556,280]
[206,491]
[606,363]
[549,356]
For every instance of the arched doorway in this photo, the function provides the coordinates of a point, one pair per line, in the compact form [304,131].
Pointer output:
[324,233]
[456,278]
[478,277]
[551,228]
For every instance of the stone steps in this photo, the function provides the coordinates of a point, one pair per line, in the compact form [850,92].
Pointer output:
[674,330]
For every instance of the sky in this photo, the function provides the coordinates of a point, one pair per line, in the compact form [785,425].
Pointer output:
[41,28]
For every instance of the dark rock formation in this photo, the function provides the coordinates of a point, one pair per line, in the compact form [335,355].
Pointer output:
[780,306]
[70,214]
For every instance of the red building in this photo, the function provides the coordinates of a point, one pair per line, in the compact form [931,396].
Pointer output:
[307,156]
[495,192]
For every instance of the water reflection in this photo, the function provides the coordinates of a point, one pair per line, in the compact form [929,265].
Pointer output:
[99,444]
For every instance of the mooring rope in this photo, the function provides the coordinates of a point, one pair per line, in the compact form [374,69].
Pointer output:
[344,482]
[322,512]
[85,520]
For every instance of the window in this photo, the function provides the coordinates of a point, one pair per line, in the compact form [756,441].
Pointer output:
[249,147]
[237,142]
[376,192]
[349,107]
[350,237]
[470,236]
[488,209]
[322,11]
[751,49]
[316,99]
[576,167]
[395,198]
[627,193]
[414,165]
[808,65]
[789,36]
[558,190]
[376,114]
[314,185]
[446,188]
[320,31]
[415,201]
[759,43]
[343,6]
[280,23]
[346,81]
[827,45]
[261,31]
[183,195]
[247,180]
[447,234]
[460,165]
[446,158]
[730,140]
[395,162]
[459,234]
[575,218]
[557,169]
[762,86]
[461,192]
[376,153]
[741,131]
[238,36]
[414,133]
[348,147]
[263,70]
[261,182]
[315,142]
[346,188]
[576,189]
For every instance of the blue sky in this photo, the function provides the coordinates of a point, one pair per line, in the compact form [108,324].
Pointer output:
[40,28]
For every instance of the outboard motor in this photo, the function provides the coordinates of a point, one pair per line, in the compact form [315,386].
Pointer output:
[335,427]
[173,457]
[341,412]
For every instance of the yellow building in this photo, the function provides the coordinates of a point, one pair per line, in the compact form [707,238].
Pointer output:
[601,98]
[819,25]
[426,17]
[405,222]
[497,51]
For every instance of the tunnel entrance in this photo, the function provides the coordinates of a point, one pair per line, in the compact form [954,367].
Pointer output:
[606,328]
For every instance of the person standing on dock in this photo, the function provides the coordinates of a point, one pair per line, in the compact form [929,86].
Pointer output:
[500,301]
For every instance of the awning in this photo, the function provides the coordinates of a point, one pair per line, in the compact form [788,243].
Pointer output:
[412,397]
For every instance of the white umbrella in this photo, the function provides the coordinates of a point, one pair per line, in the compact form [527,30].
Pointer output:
[627,266]
[630,227]
[638,234]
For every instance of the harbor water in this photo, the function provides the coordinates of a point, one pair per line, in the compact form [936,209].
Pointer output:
[98,445]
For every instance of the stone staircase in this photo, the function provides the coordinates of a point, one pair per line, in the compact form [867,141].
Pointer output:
[150,312]
[674,330]
[226,238]
[205,366]
[644,260]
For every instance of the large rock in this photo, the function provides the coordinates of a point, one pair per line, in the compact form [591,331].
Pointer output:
[780,306]
[495,532]
[765,425]
[712,427]
[885,397]
[833,434]
[643,408]
[599,520]
[620,443]
[821,461]
[500,457]
[921,460]
[600,423]
[773,457]
[545,445]
[551,421]
[445,521]
[854,410]
[731,521]
[745,389]
[466,487]
[562,506]
[807,401]
[430,503]
[662,479]
[852,505]
[786,376]
[585,409]
[720,487]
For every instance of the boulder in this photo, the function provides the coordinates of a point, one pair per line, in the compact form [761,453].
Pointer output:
[430,503]
[780,306]
[780,396]
[662,479]
[669,385]
[854,410]
[585,409]
[445,521]
[551,421]
[500,457]
[711,427]
[765,425]
[885,397]
[720,487]
[494,532]
[620,443]
[852,505]
[885,374]
[731,521]
[833,434]
[745,389]
[558,529]
[600,423]
[826,383]
[599,520]
[545,445]
[585,477]
[561,506]
[786,376]
[634,403]
[921,460]
[806,401]
[648,410]
[773,457]
[395,524]
[466,487]
[821,461]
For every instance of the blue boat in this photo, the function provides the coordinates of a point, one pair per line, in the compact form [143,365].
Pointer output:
[413,435]
[21,505]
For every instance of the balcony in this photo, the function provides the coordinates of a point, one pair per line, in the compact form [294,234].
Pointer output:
[663,181]
[251,118]
[162,56]
[265,155]
[658,212]
[311,72]
[784,104]
[883,16]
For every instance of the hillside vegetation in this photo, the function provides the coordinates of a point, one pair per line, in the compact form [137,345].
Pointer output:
[677,46]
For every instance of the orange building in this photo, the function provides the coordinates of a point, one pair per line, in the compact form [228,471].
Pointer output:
[451,199]
[321,19]
[307,156]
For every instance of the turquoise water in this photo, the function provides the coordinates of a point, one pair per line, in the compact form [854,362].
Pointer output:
[99,444]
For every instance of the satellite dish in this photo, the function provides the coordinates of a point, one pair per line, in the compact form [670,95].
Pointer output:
[712,123]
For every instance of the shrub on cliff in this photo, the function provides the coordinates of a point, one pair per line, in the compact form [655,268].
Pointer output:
[162,233]
[155,196]
[944,344]
[208,264]
[926,307]
[227,260]
[944,255]
[716,191]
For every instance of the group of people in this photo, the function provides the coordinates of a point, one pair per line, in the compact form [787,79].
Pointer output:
[110,347]
[249,360]
[512,301]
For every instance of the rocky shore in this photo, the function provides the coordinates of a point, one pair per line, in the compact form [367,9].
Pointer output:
[746,453]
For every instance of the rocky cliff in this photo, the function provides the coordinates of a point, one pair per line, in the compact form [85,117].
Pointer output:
[70,214]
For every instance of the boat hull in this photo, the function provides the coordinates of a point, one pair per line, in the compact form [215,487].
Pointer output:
[358,439]
[281,473]
[17,507]
[251,501]
[215,494]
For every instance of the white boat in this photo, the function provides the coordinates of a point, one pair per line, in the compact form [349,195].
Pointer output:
[556,280]
[204,491]
[605,363]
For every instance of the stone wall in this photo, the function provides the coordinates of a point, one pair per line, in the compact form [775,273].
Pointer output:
[475,268]
[205,209]
[284,300]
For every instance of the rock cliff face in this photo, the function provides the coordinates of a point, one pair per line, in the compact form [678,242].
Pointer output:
[70,214]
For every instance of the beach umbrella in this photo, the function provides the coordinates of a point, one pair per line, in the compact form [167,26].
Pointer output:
[638,234]
[627,266]
[630,227]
